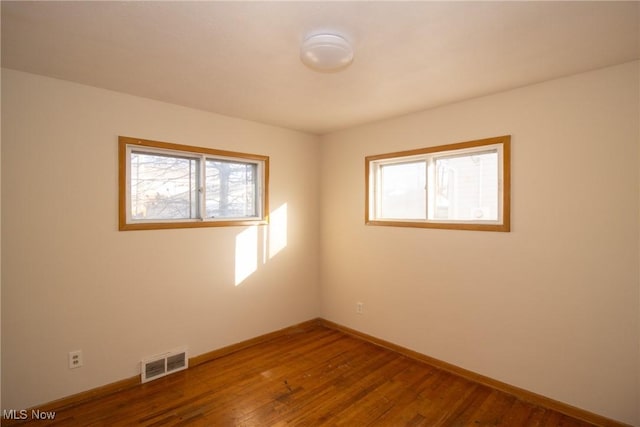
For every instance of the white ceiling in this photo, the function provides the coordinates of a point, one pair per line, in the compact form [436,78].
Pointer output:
[242,58]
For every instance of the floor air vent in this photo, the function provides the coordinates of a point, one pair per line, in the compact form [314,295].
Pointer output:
[163,364]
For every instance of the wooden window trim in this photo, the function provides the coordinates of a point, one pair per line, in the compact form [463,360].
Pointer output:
[505,226]
[124,141]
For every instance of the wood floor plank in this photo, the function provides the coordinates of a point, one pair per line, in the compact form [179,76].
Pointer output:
[313,377]
[406,410]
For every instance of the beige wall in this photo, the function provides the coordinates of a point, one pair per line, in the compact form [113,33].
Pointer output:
[553,306]
[71,281]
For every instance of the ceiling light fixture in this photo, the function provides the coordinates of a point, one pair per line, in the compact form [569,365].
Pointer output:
[326,52]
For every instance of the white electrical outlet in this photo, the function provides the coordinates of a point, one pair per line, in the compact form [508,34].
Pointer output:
[359,308]
[75,359]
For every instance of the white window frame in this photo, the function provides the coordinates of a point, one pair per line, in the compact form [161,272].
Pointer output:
[128,145]
[374,165]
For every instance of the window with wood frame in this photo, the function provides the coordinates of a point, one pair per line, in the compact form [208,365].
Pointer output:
[462,186]
[165,185]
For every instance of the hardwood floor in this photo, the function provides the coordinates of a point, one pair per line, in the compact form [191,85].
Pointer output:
[311,377]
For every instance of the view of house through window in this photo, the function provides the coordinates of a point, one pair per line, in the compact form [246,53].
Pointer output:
[167,185]
[466,187]
[463,186]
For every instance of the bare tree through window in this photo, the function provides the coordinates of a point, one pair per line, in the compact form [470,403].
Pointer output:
[164,185]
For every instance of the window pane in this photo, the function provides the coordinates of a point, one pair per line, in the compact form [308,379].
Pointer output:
[466,187]
[163,187]
[231,189]
[402,191]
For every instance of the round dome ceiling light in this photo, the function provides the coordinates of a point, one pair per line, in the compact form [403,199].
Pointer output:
[326,52]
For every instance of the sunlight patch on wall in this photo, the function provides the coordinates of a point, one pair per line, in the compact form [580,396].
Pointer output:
[246,254]
[277,230]
[256,245]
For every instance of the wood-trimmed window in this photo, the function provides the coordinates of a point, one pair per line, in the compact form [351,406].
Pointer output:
[164,185]
[463,186]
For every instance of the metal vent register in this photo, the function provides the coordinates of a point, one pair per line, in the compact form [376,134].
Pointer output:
[163,364]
